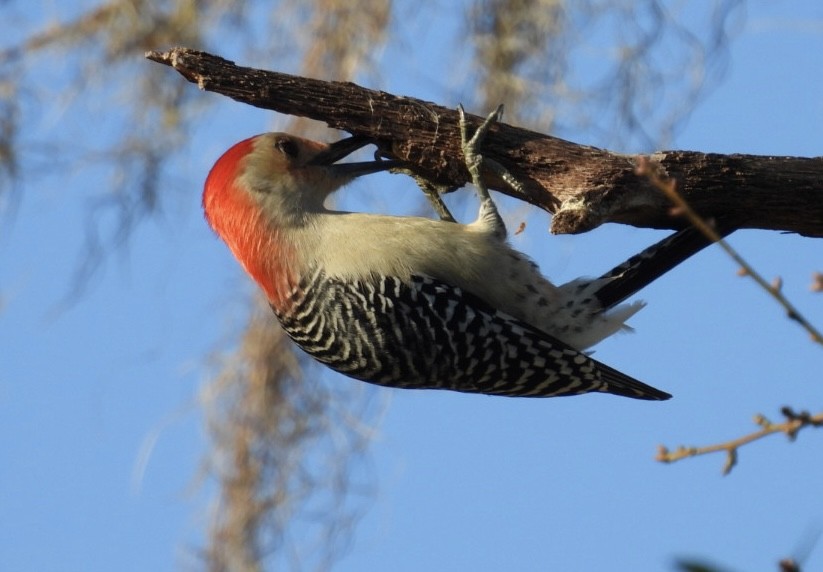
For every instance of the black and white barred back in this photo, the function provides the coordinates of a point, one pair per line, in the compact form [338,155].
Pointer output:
[429,335]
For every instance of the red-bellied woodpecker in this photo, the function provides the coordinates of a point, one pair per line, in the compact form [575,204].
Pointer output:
[405,301]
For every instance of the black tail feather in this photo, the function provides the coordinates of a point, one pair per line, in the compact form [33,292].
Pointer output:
[644,268]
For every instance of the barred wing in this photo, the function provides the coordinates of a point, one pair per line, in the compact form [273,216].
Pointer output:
[426,334]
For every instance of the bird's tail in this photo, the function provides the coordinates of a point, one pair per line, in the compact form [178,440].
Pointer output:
[642,269]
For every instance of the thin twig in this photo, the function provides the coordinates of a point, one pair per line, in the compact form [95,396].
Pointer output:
[669,187]
[793,424]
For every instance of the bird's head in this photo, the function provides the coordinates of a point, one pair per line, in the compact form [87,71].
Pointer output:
[267,186]
[284,176]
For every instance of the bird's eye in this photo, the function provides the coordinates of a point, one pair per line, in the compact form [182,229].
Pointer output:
[287,147]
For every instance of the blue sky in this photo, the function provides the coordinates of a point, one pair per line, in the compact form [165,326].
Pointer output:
[101,436]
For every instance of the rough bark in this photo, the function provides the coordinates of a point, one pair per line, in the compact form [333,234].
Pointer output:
[583,186]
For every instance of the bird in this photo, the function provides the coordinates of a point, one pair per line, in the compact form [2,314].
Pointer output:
[409,302]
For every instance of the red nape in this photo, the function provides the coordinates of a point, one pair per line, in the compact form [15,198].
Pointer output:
[224,171]
[234,215]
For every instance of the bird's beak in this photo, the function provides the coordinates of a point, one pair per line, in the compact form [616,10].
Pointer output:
[345,147]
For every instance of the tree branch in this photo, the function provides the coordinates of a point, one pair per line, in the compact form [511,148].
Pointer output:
[669,188]
[793,424]
[584,186]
